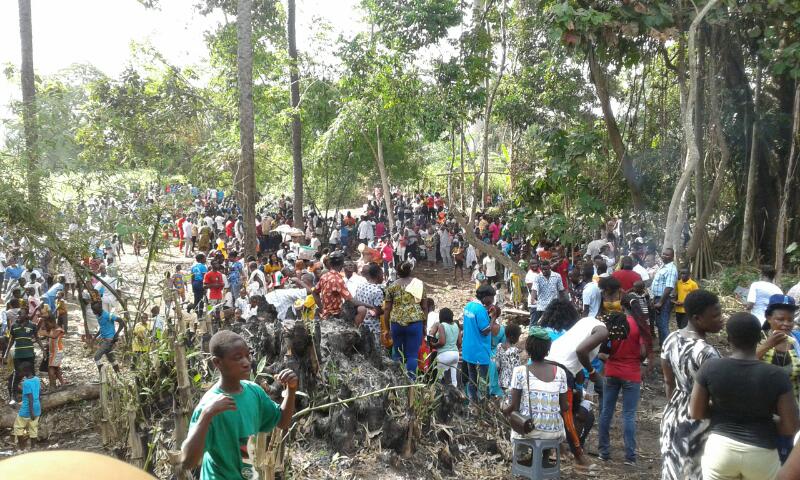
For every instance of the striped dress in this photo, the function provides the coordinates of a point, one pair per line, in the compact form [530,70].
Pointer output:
[683,439]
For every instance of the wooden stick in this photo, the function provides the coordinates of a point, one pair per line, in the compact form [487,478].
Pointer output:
[308,410]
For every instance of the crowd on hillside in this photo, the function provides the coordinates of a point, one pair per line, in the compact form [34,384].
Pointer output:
[600,315]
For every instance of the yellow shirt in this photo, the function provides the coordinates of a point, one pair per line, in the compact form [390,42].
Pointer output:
[140,341]
[681,290]
[221,248]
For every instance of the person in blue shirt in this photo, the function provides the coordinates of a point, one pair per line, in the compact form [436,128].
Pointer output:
[26,425]
[107,334]
[344,236]
[199,270]
[13,274]
[480,323]
[50,296]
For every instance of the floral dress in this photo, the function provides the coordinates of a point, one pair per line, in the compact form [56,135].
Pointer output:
[540,402]
[405,308]
[683,439]
[508,359]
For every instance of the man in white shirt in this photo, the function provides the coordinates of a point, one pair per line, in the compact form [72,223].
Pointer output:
[314,243]
[530,280]
[548,287]
[641,271]
[592,298]
[445,243]
[187,237]
[335,237]
[352,279]
[490,269]
[108,299]
[760,291]
[365,231]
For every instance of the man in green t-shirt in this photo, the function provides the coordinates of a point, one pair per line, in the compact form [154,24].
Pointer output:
[23,334]
[228,418]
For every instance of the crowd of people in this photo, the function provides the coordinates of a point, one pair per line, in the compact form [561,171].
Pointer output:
[599,317]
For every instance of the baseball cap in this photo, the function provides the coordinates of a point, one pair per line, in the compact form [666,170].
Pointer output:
[780,301]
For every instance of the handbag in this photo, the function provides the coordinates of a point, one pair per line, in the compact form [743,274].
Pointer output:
[520,423]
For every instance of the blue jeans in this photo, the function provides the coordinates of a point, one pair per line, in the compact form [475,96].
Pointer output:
[478,381]
[407,340]
[630,400]
[662,320]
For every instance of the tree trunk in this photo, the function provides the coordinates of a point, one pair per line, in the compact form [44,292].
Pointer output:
[29,101]
[245,179]
[780,238]
[491,250]
[452,162]
[62,396]
[487,115]
[461,183]
[182,407]
[671,240]
[297,146]
[387,198]
[747,222]
[615,137]
[700,120]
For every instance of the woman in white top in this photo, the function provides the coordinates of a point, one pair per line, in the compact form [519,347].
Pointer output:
[760,291]
[539,391]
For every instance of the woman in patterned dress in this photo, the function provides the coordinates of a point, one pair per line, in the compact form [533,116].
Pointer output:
[684,351]
[539,391]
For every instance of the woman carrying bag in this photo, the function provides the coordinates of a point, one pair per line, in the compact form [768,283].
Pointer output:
[538,393]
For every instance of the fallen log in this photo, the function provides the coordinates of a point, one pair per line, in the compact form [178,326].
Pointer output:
[63,396]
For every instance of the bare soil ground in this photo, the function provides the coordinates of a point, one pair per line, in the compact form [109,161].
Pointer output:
[483,453]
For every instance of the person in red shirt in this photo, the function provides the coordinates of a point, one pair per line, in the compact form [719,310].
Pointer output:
[494,230]
[560,265]
[623,374]
[387,255]
[331,290]
[438,201]
[213,283]
[626,276]
[179,224]
[229,227]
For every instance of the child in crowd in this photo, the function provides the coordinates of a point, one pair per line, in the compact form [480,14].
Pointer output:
[477,275]
[140,344]
[158,321]
[168,295]
[26,426]
[55,340]
[226,421]
[684,286]
[458,260]
[242,303]
[179,284]
[642,297]
[62,315]
[500,297]
[508,356]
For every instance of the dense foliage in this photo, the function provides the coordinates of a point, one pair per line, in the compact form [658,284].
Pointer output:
[572,108]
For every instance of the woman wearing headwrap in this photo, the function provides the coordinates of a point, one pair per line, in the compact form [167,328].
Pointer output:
[539,391]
